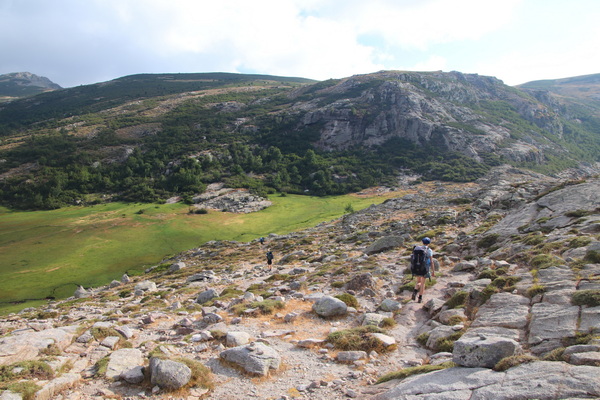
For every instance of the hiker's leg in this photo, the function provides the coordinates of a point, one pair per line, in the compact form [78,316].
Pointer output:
[422,285]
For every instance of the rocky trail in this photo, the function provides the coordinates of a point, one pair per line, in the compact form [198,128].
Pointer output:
[513,312]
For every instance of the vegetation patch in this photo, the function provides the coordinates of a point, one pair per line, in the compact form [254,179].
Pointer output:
[488,241]
[589,298]
[421,369]
[201,375]
[513,361]
[542,261]
[580,241]
[349,299]
[488,274]
[359,338]
[592,256]
[447,344]
[534,290]
[458,300]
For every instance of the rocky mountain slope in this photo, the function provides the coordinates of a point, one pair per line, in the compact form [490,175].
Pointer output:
[123,137]
[23,84]
[513,311]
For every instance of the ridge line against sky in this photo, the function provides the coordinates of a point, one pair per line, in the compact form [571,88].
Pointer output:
[74,42]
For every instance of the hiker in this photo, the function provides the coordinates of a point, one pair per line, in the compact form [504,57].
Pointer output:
[422,266]
[269,258]
[262,240]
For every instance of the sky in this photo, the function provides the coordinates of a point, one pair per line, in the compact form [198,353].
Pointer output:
[78,42]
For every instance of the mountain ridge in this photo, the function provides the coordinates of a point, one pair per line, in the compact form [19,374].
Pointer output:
[259,131]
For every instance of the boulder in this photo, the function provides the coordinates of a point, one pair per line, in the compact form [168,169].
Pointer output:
[383,244]
[390,305]
[80,293]
[255,358]
[177,266]
[552,322]
[373,319]
[235,339]
[134,375]
[168,374]
[328,306]
[146,286]
[361,282]
[351,356]
[482,351]
[123,360]
[206,296]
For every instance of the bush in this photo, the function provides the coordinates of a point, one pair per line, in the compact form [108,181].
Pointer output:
[359,338]
[488,241]
[580,241]
[534,290]
[421,369]
[589,298]
[458,300]
[488,274]
[447,344]
[513,361]
[542,261]
[592,256]
[201,375]
[347,298]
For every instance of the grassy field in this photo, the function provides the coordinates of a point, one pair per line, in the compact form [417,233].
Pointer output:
[48,253]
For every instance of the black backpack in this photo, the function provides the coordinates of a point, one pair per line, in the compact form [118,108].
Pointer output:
[418,264]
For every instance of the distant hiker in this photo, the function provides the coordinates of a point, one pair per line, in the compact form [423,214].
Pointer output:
[262,240]
[269,258]
[422,266]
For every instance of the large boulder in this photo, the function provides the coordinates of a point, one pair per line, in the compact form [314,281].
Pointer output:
[328,306]
[123,360]
[206,296]
[26,345]
[383,244]
[360,282]
[168,374]
[504,310]
[255,358]
[482,351]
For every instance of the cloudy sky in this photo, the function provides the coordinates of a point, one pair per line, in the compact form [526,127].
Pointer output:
[75,42]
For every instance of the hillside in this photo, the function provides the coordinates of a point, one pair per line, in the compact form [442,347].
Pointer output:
[151,137]
[24,84]
[511,313]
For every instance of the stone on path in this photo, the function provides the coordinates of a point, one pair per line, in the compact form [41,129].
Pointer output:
[255,358]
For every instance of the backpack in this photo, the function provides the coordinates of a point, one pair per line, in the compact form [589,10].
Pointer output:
[269,256]
[418,260]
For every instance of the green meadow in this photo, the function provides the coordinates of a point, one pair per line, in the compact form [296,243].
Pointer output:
[49,253]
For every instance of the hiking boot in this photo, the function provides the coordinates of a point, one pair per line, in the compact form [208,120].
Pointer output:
[414,295]
[420,299]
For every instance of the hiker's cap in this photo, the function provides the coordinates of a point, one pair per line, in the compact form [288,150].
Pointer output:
[426,240]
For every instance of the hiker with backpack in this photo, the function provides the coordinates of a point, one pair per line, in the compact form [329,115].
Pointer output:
[269,258]
[421,266]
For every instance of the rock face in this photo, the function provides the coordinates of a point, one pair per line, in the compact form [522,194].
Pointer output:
[540,380]
[396,104]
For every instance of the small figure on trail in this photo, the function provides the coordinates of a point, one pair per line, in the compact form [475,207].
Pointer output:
[269,258]
[422,266]
[261,240]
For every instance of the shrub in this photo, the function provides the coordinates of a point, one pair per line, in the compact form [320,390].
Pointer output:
[506,282]
[488,274]
[513,361]
[388,322]
[533,239]
[347,298]
[488,292]
[423,338]
[592,256]
[421,369]
[337,284]
[589,298]
[580,241]
[555,355]
[201,375]
[534,290]
[359,338]
[125,293]
[542,261]
[458,300]
[577,213]
[27,389]
[447,343]
[268,306]
[487,241]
